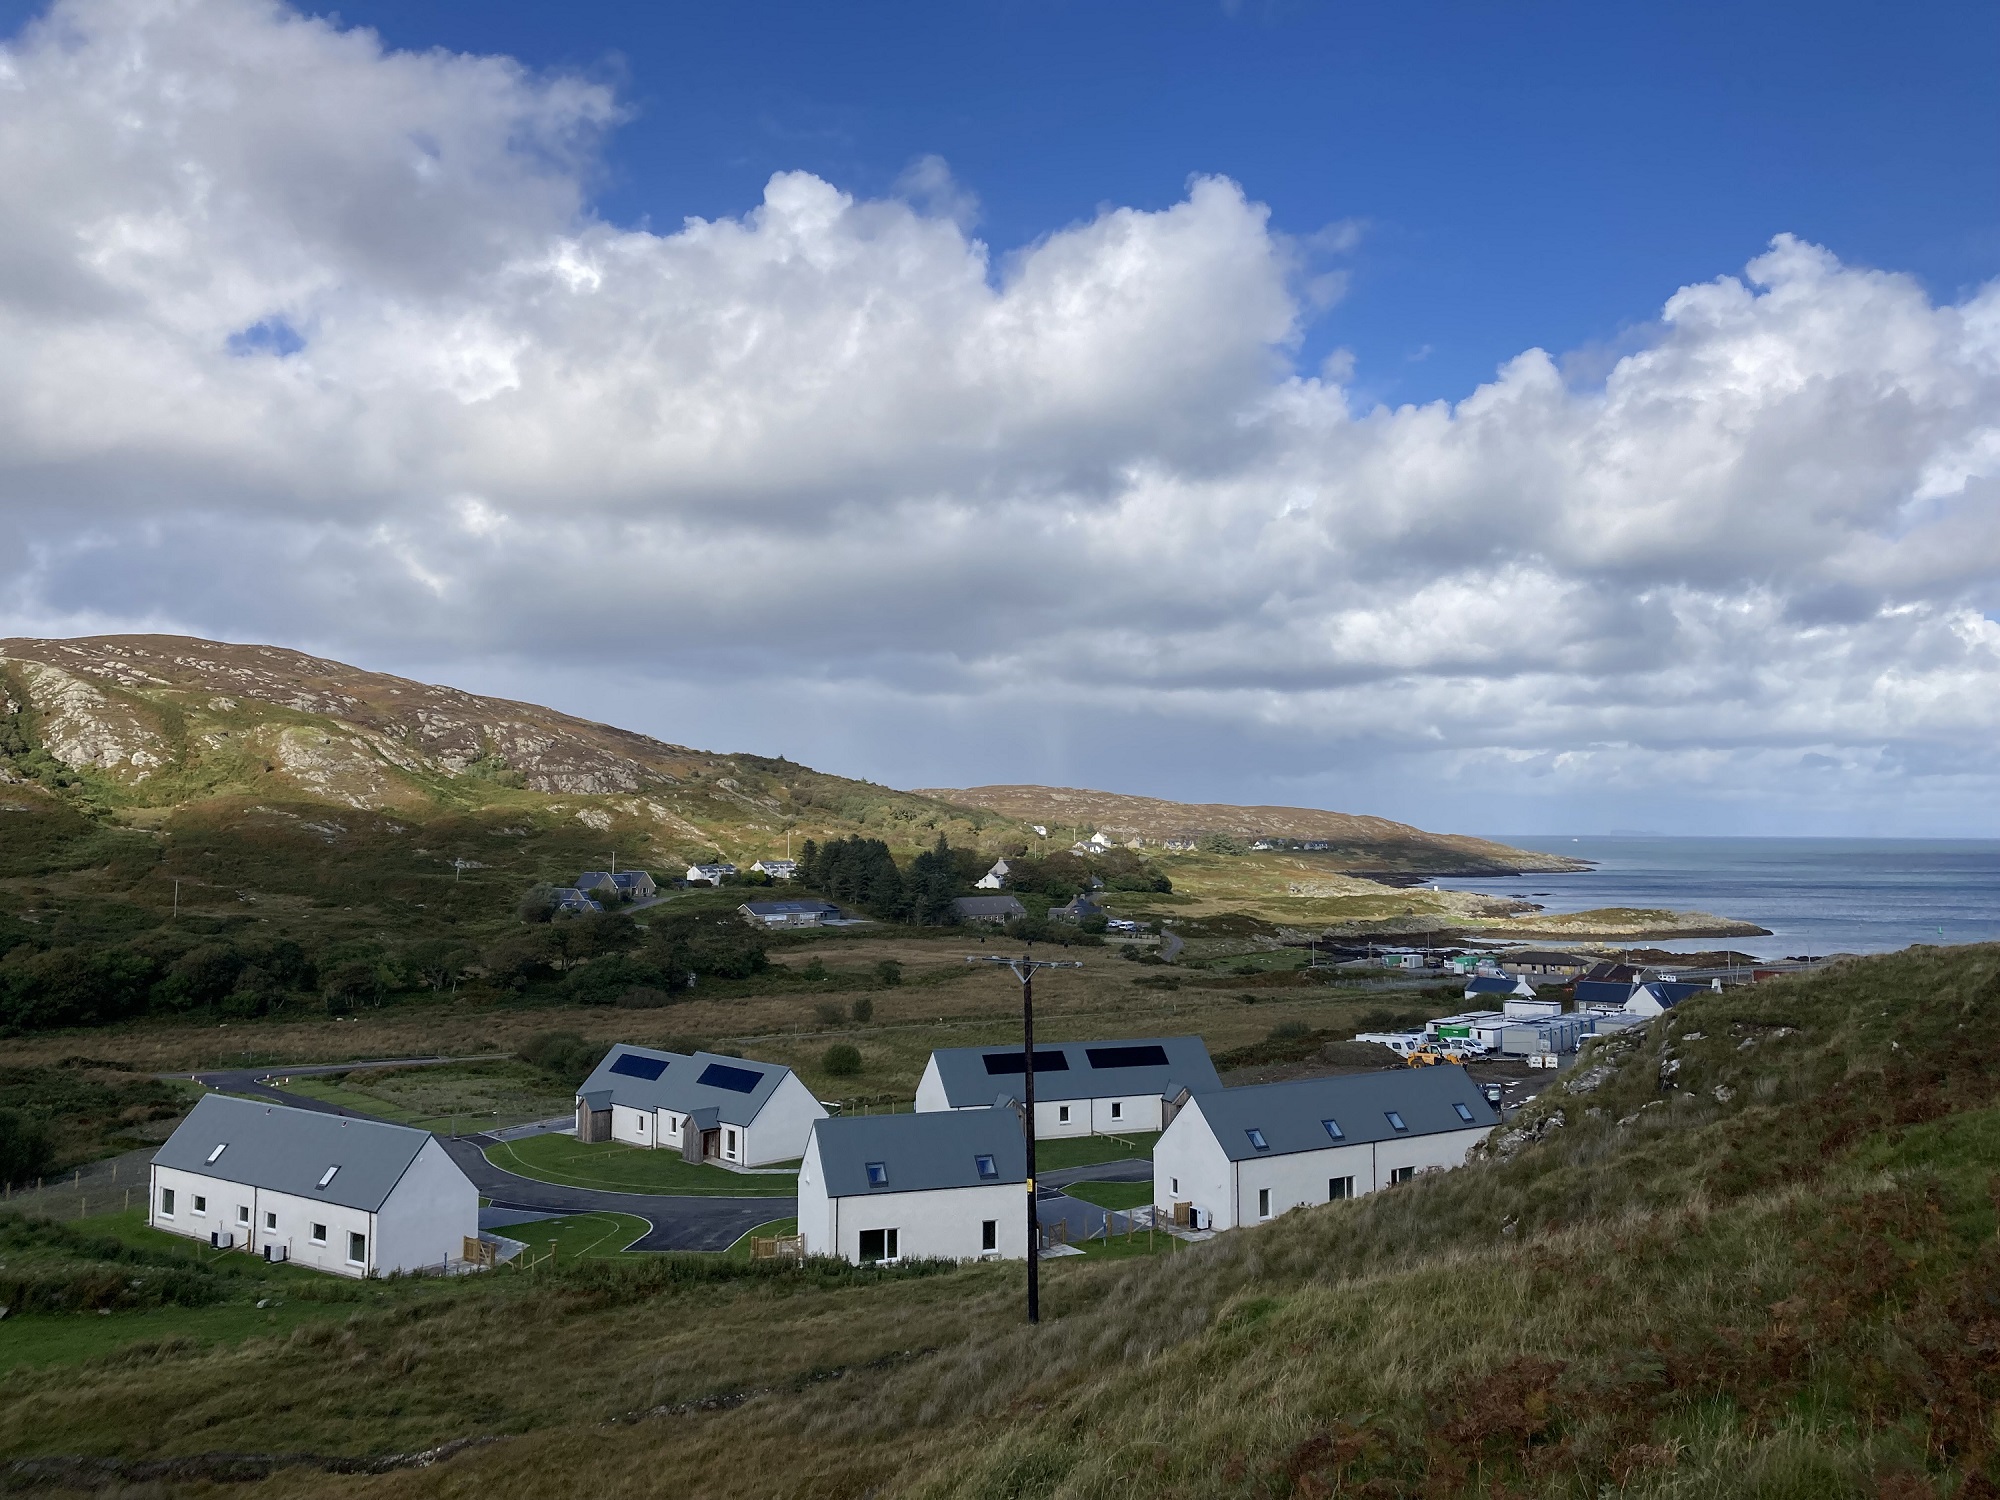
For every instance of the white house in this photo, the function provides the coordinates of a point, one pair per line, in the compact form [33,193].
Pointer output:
[708,1108]
[911,1187]
[1081,1088]
[1241,1156]
[354,1197]
[994,879]
[777,869]
[708,874]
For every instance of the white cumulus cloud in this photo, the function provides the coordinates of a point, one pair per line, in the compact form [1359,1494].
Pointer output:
[305,339]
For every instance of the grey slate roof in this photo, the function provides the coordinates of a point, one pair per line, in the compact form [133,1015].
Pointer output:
[921,1152]
[1290,1114]
[679,1088]
[988,908]
[969,1083]
[789,908]
[285,1150]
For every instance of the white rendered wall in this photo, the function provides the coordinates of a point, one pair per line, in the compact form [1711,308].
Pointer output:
[296,1216]
[779,1132]
[930,1090]
[1300,1178]
[427,1217]
[1136,1112]
[632,1126]
[1189,1152]
[944,1223]
[815,1211]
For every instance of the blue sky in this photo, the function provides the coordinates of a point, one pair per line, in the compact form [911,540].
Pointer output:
[1523,174]
[1128,395]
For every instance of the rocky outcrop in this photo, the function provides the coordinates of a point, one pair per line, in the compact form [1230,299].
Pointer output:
[88,729]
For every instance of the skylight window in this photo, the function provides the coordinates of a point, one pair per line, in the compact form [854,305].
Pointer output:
[988,1167]
[878,1174]
[326,1176]
[1257,1139]
[1463,1113]
[1395,1120]
[1333,1129]
[216,1154]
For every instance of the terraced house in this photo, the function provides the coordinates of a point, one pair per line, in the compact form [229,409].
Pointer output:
[1081,1088]
[726,1110]
[353,1197]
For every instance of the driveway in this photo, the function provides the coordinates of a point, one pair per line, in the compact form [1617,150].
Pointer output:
[675,1223]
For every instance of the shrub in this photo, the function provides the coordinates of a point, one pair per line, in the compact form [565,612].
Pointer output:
[841,1060]
[829,1014]
[890,973]
[864,1008]
[645,997]
[26,1151]
[815,968]
[563,1055]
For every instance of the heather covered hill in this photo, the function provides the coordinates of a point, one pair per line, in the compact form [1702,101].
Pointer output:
[1356,842]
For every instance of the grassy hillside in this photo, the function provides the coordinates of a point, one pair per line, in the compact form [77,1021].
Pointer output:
[1748,1253]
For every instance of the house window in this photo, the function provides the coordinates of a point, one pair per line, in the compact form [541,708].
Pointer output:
[878,1174]
[319,1234]
[988,1168]
[1062,1114]
[166,1203]
[642,1124]
[200,1204]
[270,1221]
[1463,1113]
[1263,1203]
[1257,1139]
[1117,1109]
[1402,1174]
[1338,1188]
[1333,1129]
[216,1154]
[1395,1120]
[989,1234]
[326,1177]
[243,1213]
[877,1244]
[729,1144]
[357,1248]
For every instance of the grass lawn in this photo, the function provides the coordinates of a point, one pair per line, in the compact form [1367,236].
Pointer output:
[1089,1150]
[1118,1247]
[741,1249]
[616,1167]
[468,1096]
[1118,1195]
[576,1236]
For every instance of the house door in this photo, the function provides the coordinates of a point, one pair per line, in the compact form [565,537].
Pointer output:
[711,1143]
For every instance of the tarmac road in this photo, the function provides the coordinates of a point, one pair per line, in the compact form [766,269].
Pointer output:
[675,1223]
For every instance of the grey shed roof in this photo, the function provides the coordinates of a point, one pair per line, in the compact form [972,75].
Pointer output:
[286,1150]
[736,1088]
[1291,1116]
[919,1152]
[1078,1070]
[986,908]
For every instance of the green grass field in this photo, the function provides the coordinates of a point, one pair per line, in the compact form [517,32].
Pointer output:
[615,1167]
[573,1237]
[1118,1195]
[1089,1150]
[461,1096]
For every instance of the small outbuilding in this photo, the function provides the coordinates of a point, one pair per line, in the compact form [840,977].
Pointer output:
[912,1187]
[337,1194]
[1081,1088]
[727,1110]
[1241,1156]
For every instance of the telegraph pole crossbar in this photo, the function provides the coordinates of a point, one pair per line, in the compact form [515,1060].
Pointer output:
[1025,968]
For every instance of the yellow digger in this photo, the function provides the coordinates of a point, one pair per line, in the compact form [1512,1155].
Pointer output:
[1430,1054]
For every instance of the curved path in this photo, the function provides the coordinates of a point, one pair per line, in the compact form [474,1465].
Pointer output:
[673,1223]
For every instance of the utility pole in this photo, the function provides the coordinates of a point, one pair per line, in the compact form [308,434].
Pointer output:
[177,900]
[1025,968]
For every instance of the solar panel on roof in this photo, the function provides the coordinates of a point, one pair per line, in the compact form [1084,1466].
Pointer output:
[1126,1057]
[1014,1062]
[736,1080]
[632,1065]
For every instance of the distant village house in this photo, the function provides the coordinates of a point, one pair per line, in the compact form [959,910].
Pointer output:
[709,874]
[707,1107]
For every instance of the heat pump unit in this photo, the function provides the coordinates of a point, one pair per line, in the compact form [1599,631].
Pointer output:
[275,1253]
[222,1239]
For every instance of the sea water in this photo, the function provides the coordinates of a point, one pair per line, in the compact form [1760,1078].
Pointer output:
[1817,896]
